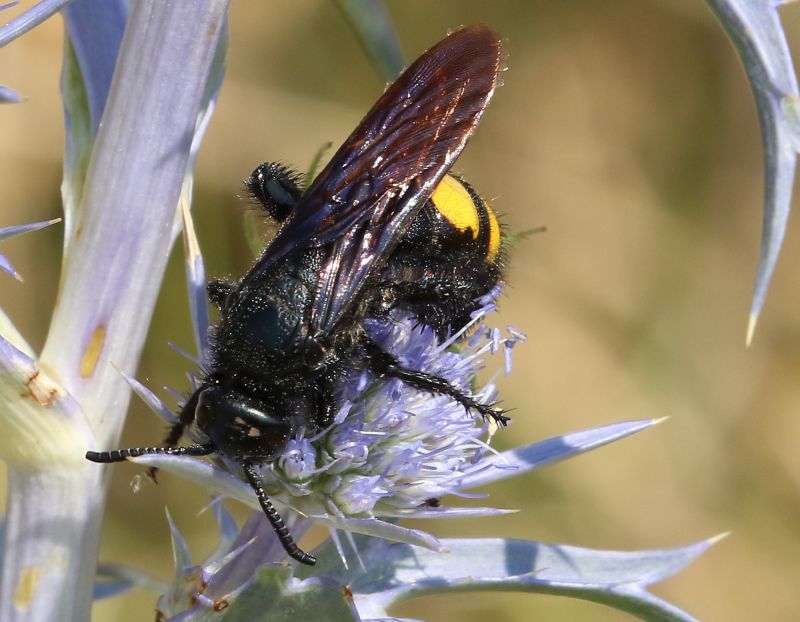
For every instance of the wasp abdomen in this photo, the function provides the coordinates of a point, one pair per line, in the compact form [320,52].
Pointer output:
[449,257]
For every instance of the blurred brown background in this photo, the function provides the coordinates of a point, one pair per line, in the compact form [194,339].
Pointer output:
[628,130]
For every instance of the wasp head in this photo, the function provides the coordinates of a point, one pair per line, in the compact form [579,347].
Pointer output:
[242,427]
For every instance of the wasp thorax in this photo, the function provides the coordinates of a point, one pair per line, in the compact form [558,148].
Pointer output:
[241,427]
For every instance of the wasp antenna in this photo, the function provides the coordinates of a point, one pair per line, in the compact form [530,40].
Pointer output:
[281,530]
[120,455]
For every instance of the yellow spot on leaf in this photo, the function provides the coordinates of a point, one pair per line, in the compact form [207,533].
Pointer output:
[26,587]
[494,236]
[92,352]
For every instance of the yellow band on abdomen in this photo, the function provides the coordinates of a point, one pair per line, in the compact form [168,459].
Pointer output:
[494,235]
[463,209]
[454,203]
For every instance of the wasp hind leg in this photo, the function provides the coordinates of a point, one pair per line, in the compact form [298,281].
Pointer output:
[386,365]
[276,188]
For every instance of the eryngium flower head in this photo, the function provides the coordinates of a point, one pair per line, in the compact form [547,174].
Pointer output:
[392,451]
[392,448]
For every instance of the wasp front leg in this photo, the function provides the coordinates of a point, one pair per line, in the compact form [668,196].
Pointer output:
[185,419]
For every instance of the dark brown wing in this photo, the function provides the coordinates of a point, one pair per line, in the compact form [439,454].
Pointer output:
[365,198]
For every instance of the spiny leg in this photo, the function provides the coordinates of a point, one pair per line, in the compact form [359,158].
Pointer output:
[281,530]
[385,364]
[276,187]
[185,418]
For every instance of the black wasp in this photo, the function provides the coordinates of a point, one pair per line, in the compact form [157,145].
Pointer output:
[383,229]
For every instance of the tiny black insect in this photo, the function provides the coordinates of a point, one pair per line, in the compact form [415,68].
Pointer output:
[383,229]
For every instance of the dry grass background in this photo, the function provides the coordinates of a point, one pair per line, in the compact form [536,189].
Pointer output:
[628,130]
